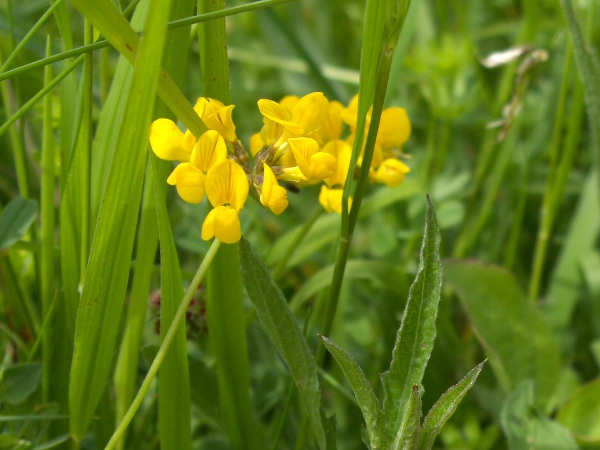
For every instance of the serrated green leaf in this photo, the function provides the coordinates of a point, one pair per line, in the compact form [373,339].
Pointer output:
[528,429]
[414,341]
[280,325]
[19,381]
[15,220]
[369,405]
[445,407]
[108,269]
[523,346]
[581,414]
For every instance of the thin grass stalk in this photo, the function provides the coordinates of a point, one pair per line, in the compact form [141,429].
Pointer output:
[47,226]
[165,344]
[85,141]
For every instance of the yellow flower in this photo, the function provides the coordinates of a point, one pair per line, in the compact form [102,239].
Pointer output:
[314,164]
[331,194]
[227,190]
[217,116]
[391,172]
[331,199]
[394,128]
[332,126]
[272,195]
[307,115]
[169,143]
[189,177]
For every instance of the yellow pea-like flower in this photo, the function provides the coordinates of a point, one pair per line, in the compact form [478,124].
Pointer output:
[169,143]
[391,172]
[216,116]
[394,128]
[342,153]
[307,115]
[227,190]
[189,181]
[272,195]
[314,164]
[331,199]
[209,150]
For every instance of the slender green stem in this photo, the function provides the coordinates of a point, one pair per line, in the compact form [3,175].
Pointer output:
[166,343]
[47,219]
[170,26]
[278,271]
[47,88]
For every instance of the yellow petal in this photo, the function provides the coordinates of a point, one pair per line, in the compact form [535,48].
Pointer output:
[227,184]
[189,182]
[222,122]
[342,152]
[167,141]
[275,112]
[331,199]
[394,128]
[272,195]
[391,172]
[223,223]
[310,112]
[209,150]
[332,126]
[289,101]
[271,132]
[313,164]
[205,107]
[256,144]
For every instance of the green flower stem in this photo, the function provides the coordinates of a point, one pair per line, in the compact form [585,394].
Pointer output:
[164,347]
[47,261]
[278,271]
[224,304]
[170,26]
[558,175]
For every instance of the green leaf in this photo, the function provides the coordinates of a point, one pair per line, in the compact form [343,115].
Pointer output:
[523,346]
[526,428]
[19,381]
[369,405]
[15,220]
[414,341]
[581,413]
[108,269]
[280,325]
[408,434]
[445,407]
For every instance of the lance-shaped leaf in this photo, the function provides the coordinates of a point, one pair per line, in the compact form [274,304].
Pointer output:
[108,269]
[408,434]
[414,341]
[15,220]
[367,401]
[445,407]
[280,325]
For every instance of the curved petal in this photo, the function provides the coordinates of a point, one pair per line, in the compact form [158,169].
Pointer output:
[322,165]
[272,195]
[167,141]
[222,122]
[209,150]
[189,182]
[332,126]
[310,112]
[224,224]
[227,184]
[205,107]
[275,112]
[331,199]
[394,128]
[391,172]
[342,151]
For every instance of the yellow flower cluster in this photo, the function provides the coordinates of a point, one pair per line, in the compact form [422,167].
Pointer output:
[300,143]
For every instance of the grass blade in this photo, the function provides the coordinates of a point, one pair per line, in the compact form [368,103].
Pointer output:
[108,270]
[15,220]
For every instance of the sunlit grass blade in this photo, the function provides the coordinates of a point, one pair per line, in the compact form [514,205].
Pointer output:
[108,270]
[280,325]
[415,338]
[369,405]
[439,414]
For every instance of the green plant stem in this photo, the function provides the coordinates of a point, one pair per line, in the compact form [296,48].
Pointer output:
[47,88]
[278,271]
[170,26]
[47,225]
[166,343]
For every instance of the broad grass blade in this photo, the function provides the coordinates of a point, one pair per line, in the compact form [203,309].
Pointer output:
[108,269]
[445,407]
[414,341]
[524,345]
[280,325]
[369,405]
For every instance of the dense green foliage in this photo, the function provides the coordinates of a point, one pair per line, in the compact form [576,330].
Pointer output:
[96,250]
